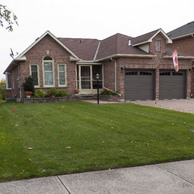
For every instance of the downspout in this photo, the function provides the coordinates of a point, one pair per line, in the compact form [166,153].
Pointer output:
[115,73]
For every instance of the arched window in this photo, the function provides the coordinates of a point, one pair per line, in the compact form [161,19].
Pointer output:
[48,71]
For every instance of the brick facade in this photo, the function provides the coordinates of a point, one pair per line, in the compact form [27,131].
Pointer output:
[186,45]
[156,61]
[156,64]
[35,56]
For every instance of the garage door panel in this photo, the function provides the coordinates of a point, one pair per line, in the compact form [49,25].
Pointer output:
[172,85]
[139,85]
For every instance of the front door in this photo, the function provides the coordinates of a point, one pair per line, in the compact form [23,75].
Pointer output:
[86,79]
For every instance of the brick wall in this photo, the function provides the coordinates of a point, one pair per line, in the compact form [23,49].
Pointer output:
[14,91]
[109,75]
[186,45]
[158,63]
[59,56]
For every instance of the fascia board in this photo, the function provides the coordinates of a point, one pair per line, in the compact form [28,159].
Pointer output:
[179,57]
[178,37]
[39,39]
[168,40]
[126,55]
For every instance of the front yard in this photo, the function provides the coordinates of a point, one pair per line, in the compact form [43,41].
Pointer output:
[59,138]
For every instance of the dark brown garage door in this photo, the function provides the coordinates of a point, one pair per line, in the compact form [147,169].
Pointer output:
[139,85]
[172,85]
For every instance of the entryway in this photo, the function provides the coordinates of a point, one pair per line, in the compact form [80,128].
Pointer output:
[86,78]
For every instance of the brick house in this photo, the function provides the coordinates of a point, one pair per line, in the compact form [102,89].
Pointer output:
[138,68]
[183,40]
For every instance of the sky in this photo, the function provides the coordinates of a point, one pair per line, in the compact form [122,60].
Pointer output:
[88,19]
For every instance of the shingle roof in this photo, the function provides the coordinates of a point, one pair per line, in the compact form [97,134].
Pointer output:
[117,44]
[90,49]
[83,48]
[182,31]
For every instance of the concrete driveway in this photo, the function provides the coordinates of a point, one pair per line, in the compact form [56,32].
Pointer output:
[182,105]
[168,178]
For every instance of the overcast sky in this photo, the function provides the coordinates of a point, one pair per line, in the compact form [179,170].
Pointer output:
[89,19]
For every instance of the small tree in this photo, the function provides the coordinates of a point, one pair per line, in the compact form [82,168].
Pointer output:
[28,84]
[2,89]
[7,16]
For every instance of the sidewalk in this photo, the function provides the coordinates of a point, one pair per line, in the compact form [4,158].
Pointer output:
[166,178]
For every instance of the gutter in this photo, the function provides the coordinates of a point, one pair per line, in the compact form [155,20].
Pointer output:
[191,34]
[126,55]
[179,57]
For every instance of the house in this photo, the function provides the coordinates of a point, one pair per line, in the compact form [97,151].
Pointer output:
[139,68]
[183,40]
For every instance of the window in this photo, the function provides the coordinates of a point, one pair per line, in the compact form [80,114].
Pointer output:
[48,71]
[96,69]
[62,75]
[131,73]
[8,81]
[177,74]
[157,45]
[165,74]
[145,73]
[35,74]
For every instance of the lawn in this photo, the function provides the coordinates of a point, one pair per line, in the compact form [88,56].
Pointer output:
[59,138]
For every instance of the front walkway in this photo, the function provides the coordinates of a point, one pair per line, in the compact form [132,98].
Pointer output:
[172,178]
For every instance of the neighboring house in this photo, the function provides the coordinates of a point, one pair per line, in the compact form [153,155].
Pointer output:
[138,68]
[183,40]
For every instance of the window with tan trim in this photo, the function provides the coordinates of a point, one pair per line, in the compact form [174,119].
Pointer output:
[48,72]
[62,75]
[157,45]
[34,72]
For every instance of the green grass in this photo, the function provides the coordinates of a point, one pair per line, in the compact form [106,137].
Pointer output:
[76,137]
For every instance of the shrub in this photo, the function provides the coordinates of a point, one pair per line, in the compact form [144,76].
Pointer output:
[39,93]
[108,92]
[52,92]
[61,93]
[28,84]
[2,89]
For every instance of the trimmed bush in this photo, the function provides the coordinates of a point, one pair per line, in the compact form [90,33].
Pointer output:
[61,93]
[39,93]
[108,92]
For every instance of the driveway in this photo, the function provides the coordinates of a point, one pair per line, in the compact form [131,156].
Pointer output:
[182,105]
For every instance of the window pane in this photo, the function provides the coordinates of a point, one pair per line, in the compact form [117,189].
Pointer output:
[8,77]
[157,45]
[48,73]
[62,68]
[97,69]
[34,74]
[48,66]
[61,74]
[61,78]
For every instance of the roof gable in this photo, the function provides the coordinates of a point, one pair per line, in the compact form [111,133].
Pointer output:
[185,30]
[148,37]
[19,57]
[118,44]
